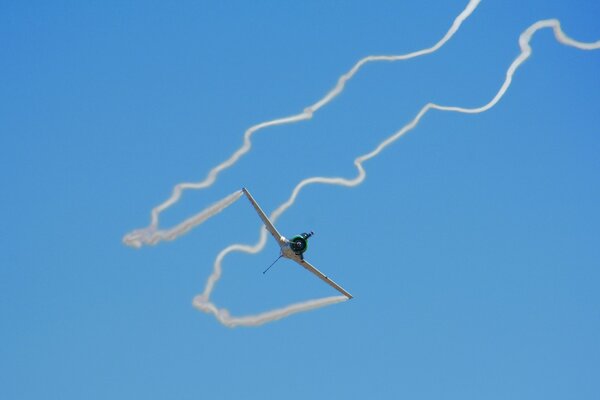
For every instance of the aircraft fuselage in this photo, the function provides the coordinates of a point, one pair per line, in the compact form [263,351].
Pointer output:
[295,247]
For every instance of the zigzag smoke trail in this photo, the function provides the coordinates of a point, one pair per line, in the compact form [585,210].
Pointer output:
[152,235]
[202,301]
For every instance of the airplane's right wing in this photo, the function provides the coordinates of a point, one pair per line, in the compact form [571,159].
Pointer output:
[324,277]
[270,227]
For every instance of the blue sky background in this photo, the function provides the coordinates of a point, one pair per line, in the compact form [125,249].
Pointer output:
[472,248]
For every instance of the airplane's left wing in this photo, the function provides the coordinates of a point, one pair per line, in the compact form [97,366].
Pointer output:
[268,224]
[324,277]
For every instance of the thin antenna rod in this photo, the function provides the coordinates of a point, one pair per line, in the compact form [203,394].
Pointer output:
[281,255]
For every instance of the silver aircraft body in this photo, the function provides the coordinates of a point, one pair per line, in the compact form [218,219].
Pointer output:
[293,248]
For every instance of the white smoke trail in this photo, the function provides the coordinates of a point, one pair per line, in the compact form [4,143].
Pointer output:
[524,40]
[203,304]
[137,237]
[202,301]
[152,235]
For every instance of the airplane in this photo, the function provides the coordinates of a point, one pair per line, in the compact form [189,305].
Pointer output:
[293,248]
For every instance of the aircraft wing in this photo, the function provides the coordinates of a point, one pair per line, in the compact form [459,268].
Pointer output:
[324,278]
[270,227]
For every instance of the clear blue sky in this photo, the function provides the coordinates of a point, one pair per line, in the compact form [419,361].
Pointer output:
[472,248]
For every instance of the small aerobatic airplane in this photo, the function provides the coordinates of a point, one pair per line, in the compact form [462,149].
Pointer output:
[293,248]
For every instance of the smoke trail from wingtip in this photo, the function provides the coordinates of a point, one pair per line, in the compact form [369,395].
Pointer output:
[524,41]
[202,303]
[151,234]
[347,76]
